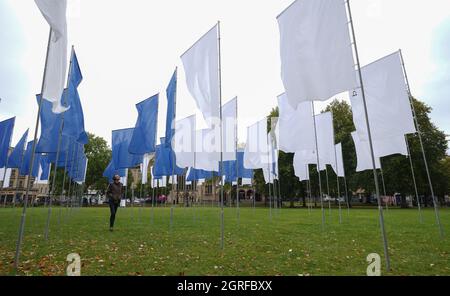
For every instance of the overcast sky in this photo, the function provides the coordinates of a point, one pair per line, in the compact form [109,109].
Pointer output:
[128,51]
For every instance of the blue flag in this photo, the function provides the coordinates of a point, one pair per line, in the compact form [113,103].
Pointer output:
[165,161]
[25,167]
[195,175]
[6,130]
[110,171]
[45,166]
[171,93]
[242,171]
[122,159]
[15,158]
[50,127]
[144,135]
[74,117]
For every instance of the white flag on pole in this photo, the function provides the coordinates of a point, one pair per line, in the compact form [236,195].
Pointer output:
[54,11]
[206,156]
[363,155]
[388,104]
[144,167]
[7,177]
[295,126]
[124,179]
[183,142]
[316,51]
[229,120]
[301,168]
[256,150]
[325,140]
[340,161]
[246,181]
[201,65]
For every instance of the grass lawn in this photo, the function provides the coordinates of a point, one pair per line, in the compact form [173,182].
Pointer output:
[293,243]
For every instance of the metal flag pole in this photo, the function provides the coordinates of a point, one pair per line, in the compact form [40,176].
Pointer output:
[24,211]
[346,195]
[269,173]
[337,182]
[318,165]
[419,133]
[414,181]
[377,189]
[4,178]
[153,200]
[69,192]
[18,175]
[63,185]
[221,141]
[328,190]
[237,165]
[384,186]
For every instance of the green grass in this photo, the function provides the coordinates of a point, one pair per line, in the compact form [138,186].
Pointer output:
[293,243]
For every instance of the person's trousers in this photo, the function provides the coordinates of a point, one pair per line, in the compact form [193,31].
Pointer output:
[113,208]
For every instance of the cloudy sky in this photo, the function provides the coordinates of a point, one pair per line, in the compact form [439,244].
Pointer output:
[128,51]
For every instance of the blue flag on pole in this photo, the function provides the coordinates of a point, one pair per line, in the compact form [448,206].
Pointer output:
[122,159]
[25,167]
[50,127]
[74,117]
[165,161]
[171,93]
[6,130]
[242,171]
[15,158]
[143,140]
[110,171]
[45,166]
[196,174]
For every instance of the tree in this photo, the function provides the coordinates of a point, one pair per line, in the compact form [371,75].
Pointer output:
[99,155]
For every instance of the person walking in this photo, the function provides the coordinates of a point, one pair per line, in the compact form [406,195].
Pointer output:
[114,193]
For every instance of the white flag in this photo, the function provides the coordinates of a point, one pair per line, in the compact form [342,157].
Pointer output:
[201,65]
[183,142]
[174,180]
[316,51]
[295,126]
[6,175]
[325,140]
[200,182]
[363,155]
[144,167]
[154,182]
[340,161]
[124,179]
[206,156]
[54,11]
[163,182]
[387,99]
[246,181]
[256,150]
[229,121]
[301,168]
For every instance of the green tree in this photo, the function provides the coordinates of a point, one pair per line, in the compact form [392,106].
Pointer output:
[99,155]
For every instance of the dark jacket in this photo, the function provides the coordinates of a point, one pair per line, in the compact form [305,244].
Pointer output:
[115,192]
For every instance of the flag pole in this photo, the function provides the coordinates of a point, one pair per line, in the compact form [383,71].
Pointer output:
[414,181]
[173,158]
[328,190]
[337,176]
[419,133]
[269,173]
[384,185]
[24,211]
[318,166]
[377,189]
[18,171]
[4,177]
[221,142]
[237,163]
